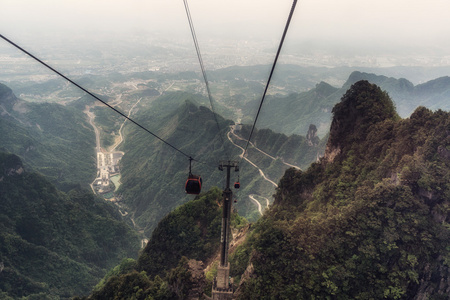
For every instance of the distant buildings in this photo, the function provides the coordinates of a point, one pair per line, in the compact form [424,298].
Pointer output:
[107,166]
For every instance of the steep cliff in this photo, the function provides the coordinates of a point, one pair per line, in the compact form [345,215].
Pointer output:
[50,138]
[370,220]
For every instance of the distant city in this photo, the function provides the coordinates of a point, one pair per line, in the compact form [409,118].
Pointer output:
[81,56]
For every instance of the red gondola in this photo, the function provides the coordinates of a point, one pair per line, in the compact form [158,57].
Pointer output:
[237,184]
[193,184]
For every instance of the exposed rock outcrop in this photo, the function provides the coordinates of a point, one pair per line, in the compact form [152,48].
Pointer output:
[311,137]
[198,279]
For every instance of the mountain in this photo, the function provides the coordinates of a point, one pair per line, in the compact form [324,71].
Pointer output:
[293,113]
[55,244]
[191,230]
[80,103]
[50,138]
[153,174]
[433,94]
[162,270]
[370,220]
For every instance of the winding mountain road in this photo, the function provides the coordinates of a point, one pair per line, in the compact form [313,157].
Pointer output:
[250,162]
[256,148]
[91,117]
[252,197]
[113,148]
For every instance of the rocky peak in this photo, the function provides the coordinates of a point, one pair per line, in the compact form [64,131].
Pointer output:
[198,279]
[362,106]
[311,136]
[324,90]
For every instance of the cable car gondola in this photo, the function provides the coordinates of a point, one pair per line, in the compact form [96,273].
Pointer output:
[237,184]
[193,184]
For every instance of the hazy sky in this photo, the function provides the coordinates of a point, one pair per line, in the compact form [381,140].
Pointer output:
[389,24]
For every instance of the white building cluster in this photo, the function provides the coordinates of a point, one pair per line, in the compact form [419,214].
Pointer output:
[107,166]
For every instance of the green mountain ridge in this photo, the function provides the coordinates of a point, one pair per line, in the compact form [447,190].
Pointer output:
[294,113]
[432,94]
[50,138]
[52,244]
[149,188]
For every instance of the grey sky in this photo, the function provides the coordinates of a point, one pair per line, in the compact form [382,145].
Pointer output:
[383,24]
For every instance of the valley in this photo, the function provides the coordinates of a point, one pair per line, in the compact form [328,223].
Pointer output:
[149,96]
[107,164]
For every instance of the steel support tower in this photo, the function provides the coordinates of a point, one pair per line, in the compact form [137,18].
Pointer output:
[222,287]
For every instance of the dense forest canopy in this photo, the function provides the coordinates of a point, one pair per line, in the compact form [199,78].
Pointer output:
[54,243]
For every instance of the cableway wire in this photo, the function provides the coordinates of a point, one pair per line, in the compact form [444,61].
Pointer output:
[271,73]
[94,96]
[202,66]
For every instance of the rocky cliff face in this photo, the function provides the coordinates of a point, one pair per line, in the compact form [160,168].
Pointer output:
[311,137]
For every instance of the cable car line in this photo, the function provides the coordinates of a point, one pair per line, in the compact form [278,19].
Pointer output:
[94,96]
[193,180]
[202,66]
[271,73]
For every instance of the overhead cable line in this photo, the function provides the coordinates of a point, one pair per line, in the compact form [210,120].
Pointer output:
[94,96]
[202,66]
[271,73]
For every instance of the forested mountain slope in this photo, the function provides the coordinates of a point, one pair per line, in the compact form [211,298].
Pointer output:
[52,139]
[162,271]
[370,220]
[153,174]
[54,244]
[294,113]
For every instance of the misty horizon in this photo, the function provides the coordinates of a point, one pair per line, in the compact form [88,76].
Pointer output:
[156,33]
